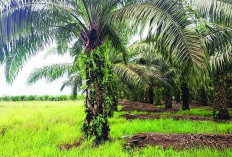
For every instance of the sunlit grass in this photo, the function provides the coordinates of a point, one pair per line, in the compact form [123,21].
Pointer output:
[38,128]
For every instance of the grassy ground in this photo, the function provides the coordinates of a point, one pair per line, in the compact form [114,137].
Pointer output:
[38,128]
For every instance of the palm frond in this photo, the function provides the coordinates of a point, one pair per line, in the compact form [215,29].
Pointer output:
[143,47]
[51,73]
[131,75]
[136,75]
[221,60]
[27,27]
[75,82]
[218,11]
[218,37]
[22,51]
[168,22]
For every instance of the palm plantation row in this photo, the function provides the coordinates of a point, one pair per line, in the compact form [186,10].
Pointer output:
[187,45]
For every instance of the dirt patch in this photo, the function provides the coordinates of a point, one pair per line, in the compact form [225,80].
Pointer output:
[181,141]
[3,131]
[194,105]
[144,107]
[69,146]
[175,117]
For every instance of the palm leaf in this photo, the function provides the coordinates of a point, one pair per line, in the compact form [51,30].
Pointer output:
[27,27]
[168,22]
[75,82]
[17,56]
[51,73]
[218,37]
[136,75]
[221,60]
[218,11]
[131,75]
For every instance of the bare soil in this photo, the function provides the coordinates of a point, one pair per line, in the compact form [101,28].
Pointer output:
[3,131]
[181,141]
[175,117]
[69,146]
[195,105]
[143,107]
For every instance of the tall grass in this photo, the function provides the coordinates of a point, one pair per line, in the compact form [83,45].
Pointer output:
[39,128]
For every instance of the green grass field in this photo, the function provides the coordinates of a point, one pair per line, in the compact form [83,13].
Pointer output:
[38,128]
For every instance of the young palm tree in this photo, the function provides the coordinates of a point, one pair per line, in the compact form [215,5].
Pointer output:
[30,26]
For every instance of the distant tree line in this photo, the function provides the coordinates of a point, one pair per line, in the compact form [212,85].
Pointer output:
[41,98]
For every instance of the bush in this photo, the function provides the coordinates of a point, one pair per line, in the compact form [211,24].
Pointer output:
[63,97]
[80,97]
[15,98]
[46,97]
[31,98]
[6,98]
[23,97]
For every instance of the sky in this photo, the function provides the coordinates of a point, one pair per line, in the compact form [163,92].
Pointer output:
[19,87]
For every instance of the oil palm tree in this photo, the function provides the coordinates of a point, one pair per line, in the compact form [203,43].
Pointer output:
[219,63]
[218,46]
[219,58]
[30,26]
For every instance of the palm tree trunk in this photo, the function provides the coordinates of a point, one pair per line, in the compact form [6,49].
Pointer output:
[203,97]
[220,110]
[96,115]
[151,95]
[157,96]
[95,124]
[229,93]
[168,98]
[185,96]
[177,96]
